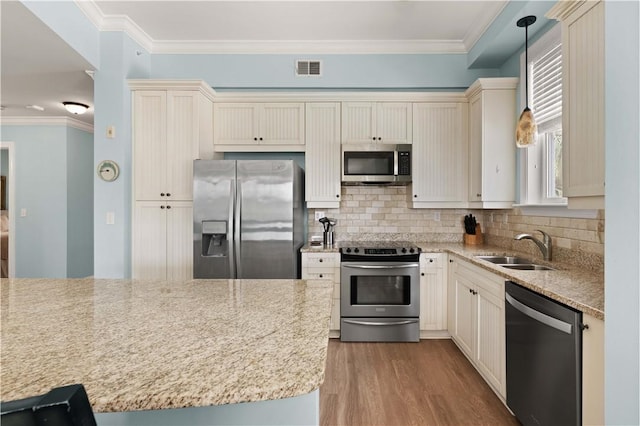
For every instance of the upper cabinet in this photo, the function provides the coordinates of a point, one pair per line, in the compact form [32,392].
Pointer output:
[582,101]
[376,122]
[322,158]
[172,126]
[276,126]
[492,156]
[440,155]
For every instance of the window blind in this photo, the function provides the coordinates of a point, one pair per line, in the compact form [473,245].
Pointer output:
[546,89]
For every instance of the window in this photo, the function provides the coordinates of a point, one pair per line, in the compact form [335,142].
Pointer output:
[541,165]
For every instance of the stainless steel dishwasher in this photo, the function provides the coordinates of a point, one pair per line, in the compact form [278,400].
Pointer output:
[544,358]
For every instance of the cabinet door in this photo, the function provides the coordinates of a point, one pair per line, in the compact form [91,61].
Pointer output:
[358,122]
[583,104]
[465,312]
[179,232]
[433,301]
[235,124]
[490,346]
[322,174]
[281,124]
[491,147]
[393,122]
[182,143]
[149,144]
[440,154]
[150,240]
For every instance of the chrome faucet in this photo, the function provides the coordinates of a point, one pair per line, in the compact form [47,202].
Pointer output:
[544,245]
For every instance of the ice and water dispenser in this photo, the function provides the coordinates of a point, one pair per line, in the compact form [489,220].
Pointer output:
[214,238]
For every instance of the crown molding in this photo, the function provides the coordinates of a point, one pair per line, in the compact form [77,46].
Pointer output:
[124,23]
[309,47]
[115,23]
[564,8]
[46,121]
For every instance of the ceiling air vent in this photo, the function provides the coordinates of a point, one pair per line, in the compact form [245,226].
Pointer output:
[308,68]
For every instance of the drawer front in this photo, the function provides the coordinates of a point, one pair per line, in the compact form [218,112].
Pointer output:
[432,260]
[316,260]
[313,274]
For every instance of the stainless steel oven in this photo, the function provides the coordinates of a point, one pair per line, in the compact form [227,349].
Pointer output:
[380,293]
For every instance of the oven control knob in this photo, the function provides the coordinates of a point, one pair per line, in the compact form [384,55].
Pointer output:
[411,250]
[404,249]
[348,250]
[356,250]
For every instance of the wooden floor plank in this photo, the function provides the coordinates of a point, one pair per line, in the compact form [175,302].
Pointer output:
[425,383]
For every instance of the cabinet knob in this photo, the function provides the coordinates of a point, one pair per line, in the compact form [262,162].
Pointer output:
[320,260]
[162,207]
[260,138]
[374,138]
[415,195]
[430,260]
[168,207]
[337,195]
[168,194]
[422,273]
[162,194]
[320,275]
[450,260]
[255,139]
[478,195]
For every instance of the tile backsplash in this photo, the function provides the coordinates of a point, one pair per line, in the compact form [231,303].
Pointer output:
[370,213]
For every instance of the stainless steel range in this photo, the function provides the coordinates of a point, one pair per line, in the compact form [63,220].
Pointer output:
[379,292]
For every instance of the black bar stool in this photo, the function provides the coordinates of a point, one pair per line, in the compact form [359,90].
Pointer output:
[62,406]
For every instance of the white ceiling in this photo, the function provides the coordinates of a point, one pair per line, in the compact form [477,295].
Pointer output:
[40,68]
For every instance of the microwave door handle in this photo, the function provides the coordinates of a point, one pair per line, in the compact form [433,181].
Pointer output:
[395,162]
[408,265]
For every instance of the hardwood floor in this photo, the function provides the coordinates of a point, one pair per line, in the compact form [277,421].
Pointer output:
[425,383]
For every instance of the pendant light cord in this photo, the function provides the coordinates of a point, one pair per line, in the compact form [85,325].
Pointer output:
[526,64]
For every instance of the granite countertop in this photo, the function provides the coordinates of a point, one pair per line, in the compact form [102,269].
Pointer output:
[144,345]
[580,288]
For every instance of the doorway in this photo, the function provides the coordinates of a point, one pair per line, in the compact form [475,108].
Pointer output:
[7,217]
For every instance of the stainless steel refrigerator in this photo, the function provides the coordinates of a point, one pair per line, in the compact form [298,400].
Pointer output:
[247,218]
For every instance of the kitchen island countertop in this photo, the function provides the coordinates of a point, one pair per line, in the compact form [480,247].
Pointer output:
[147,345]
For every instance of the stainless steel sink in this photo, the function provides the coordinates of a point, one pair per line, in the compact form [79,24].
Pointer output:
[529,267]
[514,262]
[506,260]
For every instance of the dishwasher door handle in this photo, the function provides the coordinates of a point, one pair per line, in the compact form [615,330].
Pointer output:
[565,327]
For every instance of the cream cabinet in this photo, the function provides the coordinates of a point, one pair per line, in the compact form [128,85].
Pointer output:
[376,122]
[592,371]
[163,240]
[433,294]
[325,266]
[322,157]
[440,141]
[261,126]
[582,101]
[477,322]
[172,125]
[171,128]
[492,152]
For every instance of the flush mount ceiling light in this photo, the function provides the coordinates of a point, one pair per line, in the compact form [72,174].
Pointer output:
[36,107]
[75,107]
[526,129]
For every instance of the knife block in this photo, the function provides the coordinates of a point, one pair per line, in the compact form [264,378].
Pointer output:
[473,240]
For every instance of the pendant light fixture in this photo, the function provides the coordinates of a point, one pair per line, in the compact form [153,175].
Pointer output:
[526,129]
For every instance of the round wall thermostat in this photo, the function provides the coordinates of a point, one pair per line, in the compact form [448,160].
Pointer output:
[108,170]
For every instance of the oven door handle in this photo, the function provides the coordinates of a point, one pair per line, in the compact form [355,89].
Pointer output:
[403,322]
[408,265]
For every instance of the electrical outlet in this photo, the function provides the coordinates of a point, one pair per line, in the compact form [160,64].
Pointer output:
[436,216]
[111,131]
[111,218]
[23,212]
[319,215]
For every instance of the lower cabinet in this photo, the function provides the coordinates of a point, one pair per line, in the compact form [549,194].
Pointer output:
[325,266]
[477,323]
[592,371]
[433,295]
[163,240]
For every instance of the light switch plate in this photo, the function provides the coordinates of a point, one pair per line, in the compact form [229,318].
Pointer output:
[111,131]
[319,215]
[111,218]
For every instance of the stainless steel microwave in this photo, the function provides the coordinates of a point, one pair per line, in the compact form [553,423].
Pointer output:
[376,163]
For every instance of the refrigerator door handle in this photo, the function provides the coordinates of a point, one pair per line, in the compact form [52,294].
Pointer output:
[231,227]
[236,223]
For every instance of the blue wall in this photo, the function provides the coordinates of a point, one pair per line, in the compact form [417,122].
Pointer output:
[42,182]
